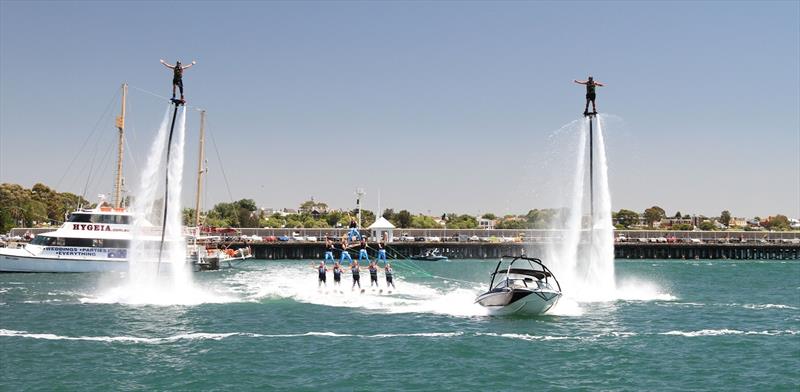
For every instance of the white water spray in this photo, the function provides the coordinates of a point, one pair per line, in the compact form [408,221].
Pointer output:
[150,280]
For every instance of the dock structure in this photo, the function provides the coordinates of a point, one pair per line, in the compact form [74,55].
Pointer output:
[456,250]
[490,244]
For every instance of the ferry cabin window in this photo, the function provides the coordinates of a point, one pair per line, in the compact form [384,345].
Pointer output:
[80,218]
[96,218]
[44,240]
[78,242]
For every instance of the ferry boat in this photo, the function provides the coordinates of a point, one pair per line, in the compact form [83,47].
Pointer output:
[98,240]
[89,241]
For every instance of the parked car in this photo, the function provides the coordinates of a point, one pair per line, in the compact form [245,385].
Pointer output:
[270,238]
[284,238]
[474,238]
[434,239]
[419,239]
[311,238]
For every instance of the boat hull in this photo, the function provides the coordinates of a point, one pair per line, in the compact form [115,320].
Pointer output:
[11,261]
[519,302]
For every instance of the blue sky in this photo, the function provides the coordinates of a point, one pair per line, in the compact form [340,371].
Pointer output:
[436,106]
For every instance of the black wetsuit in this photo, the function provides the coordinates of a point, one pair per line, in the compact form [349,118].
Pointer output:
[322,274]
[373,275]
[337,274]
[590,94]
[389,276]
[356,277]
[177,77]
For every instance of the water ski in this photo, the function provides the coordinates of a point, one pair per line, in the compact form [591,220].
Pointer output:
[178,102]
[362,291]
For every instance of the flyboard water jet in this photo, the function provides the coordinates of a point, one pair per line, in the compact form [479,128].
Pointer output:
[177,103]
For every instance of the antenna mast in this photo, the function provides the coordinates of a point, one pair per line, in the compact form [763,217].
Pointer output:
[120,149]
[200,169]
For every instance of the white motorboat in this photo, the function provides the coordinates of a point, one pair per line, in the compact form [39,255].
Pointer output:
[523,288]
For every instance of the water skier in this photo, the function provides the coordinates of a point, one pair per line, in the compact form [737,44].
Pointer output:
[353,233]
[337,275]
[177,75]
[388,271]
[322,274]
[373,274]
[356,274]
[590,94]
[345,254]
[329,248]
[382,248]
[362,253]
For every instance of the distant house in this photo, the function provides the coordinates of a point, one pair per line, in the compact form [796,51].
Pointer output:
[669,222]
[487,224]
[794,223]
[738,222]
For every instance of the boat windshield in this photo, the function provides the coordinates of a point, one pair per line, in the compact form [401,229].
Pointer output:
[515,283]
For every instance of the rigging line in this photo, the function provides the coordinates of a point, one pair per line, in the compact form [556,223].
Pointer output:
[91,169]
[94,129]
[158,96]
[221,168]
[103,162]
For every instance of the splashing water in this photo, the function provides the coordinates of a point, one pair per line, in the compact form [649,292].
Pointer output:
[584,258]
[150,280]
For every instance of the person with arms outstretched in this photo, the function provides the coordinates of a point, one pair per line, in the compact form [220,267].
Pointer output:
[177,75]
[590,94]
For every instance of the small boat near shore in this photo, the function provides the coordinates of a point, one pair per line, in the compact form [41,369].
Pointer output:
[523,288]
[430,255]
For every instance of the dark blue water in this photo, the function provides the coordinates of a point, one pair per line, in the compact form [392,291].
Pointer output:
[682,325]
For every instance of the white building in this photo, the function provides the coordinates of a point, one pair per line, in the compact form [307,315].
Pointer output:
[381,227]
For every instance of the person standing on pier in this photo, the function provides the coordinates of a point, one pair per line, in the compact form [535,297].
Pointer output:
[345,254]
[362,253]
[590,93]
[177,75]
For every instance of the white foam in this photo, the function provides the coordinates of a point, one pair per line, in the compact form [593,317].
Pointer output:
[725,331]
[297,282]
[768,306]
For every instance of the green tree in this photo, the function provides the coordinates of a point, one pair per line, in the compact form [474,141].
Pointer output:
[725,218]
[489,216]
[706,225]
[403,219]
[424,222]
[512,223]
[778,223]
[627,218]
[455,221]
[653,214]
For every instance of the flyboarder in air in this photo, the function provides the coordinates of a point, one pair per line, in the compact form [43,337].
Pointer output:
[177,76]
[590,94]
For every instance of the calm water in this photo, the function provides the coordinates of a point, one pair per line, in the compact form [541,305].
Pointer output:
[699,325]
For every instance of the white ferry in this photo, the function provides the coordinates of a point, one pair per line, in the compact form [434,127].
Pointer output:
[98,240]
[89,241]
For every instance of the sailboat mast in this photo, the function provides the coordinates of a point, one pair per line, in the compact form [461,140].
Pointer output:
[200,169]
[120,149]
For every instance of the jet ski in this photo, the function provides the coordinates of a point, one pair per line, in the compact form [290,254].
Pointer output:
[524,287]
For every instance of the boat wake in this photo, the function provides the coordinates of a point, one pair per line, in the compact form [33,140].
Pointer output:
[297,282]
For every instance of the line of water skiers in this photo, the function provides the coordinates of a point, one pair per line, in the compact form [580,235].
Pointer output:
[338,266]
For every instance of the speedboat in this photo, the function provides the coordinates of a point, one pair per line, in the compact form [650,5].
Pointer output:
[430,255]
[523,287]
